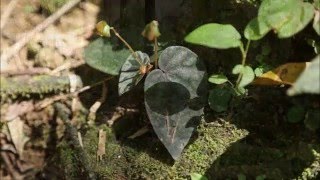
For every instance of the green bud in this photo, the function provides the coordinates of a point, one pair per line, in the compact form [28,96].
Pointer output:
[103,29]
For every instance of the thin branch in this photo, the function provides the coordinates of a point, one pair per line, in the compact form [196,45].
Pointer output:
[50,101]
[20,44]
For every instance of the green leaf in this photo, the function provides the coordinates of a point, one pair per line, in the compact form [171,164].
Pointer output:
[100,55]
[276,13]
[312,120]
[175,96]
[219,99]
[247,74]
[130,74]
[308,81]
[296,114]
[218,79]
[259,71]
[196,176]
[301,17]
[221,36]
[256,29]
[316,22]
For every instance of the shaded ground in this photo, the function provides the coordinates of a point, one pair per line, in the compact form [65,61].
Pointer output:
[253,139]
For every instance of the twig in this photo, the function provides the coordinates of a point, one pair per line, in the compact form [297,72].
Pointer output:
[94,108]
[156,52]
[48,102]
[20,44]
[5,16]
[140,132]
[67,65]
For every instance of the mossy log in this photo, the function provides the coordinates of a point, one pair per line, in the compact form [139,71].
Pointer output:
[25,86]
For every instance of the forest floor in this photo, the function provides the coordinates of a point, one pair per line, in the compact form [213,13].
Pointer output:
[53,127]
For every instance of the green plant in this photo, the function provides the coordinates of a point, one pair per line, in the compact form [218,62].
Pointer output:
[286,18]
[174,87]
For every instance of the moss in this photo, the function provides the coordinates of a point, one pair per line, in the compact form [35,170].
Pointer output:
[112,165]
[218,151]
[210,143]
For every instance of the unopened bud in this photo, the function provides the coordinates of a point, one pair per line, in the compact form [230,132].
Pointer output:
[103,29]
[151,31]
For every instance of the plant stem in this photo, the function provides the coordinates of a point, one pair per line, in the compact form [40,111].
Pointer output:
[156,52]
[128,46]
[244,53]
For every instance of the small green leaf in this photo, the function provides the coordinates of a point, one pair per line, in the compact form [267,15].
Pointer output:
[300,18]
[240,91]
[221,36]
[218,79]
[296,114]
[196,176]
[100,55]
[130,74]
[219,99]
[258,71]
[256,29]
[312,120]
[247,74]
[308,81]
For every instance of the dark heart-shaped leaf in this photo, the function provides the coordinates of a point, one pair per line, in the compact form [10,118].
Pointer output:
[130,74]
[101,56]
[174,97]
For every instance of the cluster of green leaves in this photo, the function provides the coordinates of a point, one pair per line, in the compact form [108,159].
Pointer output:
[175,90]
[285,18]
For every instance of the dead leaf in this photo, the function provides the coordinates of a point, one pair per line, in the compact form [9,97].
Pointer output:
[18,137]
[17,109]
[285,74]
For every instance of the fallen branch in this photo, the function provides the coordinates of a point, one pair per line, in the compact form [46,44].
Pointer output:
[51,19]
